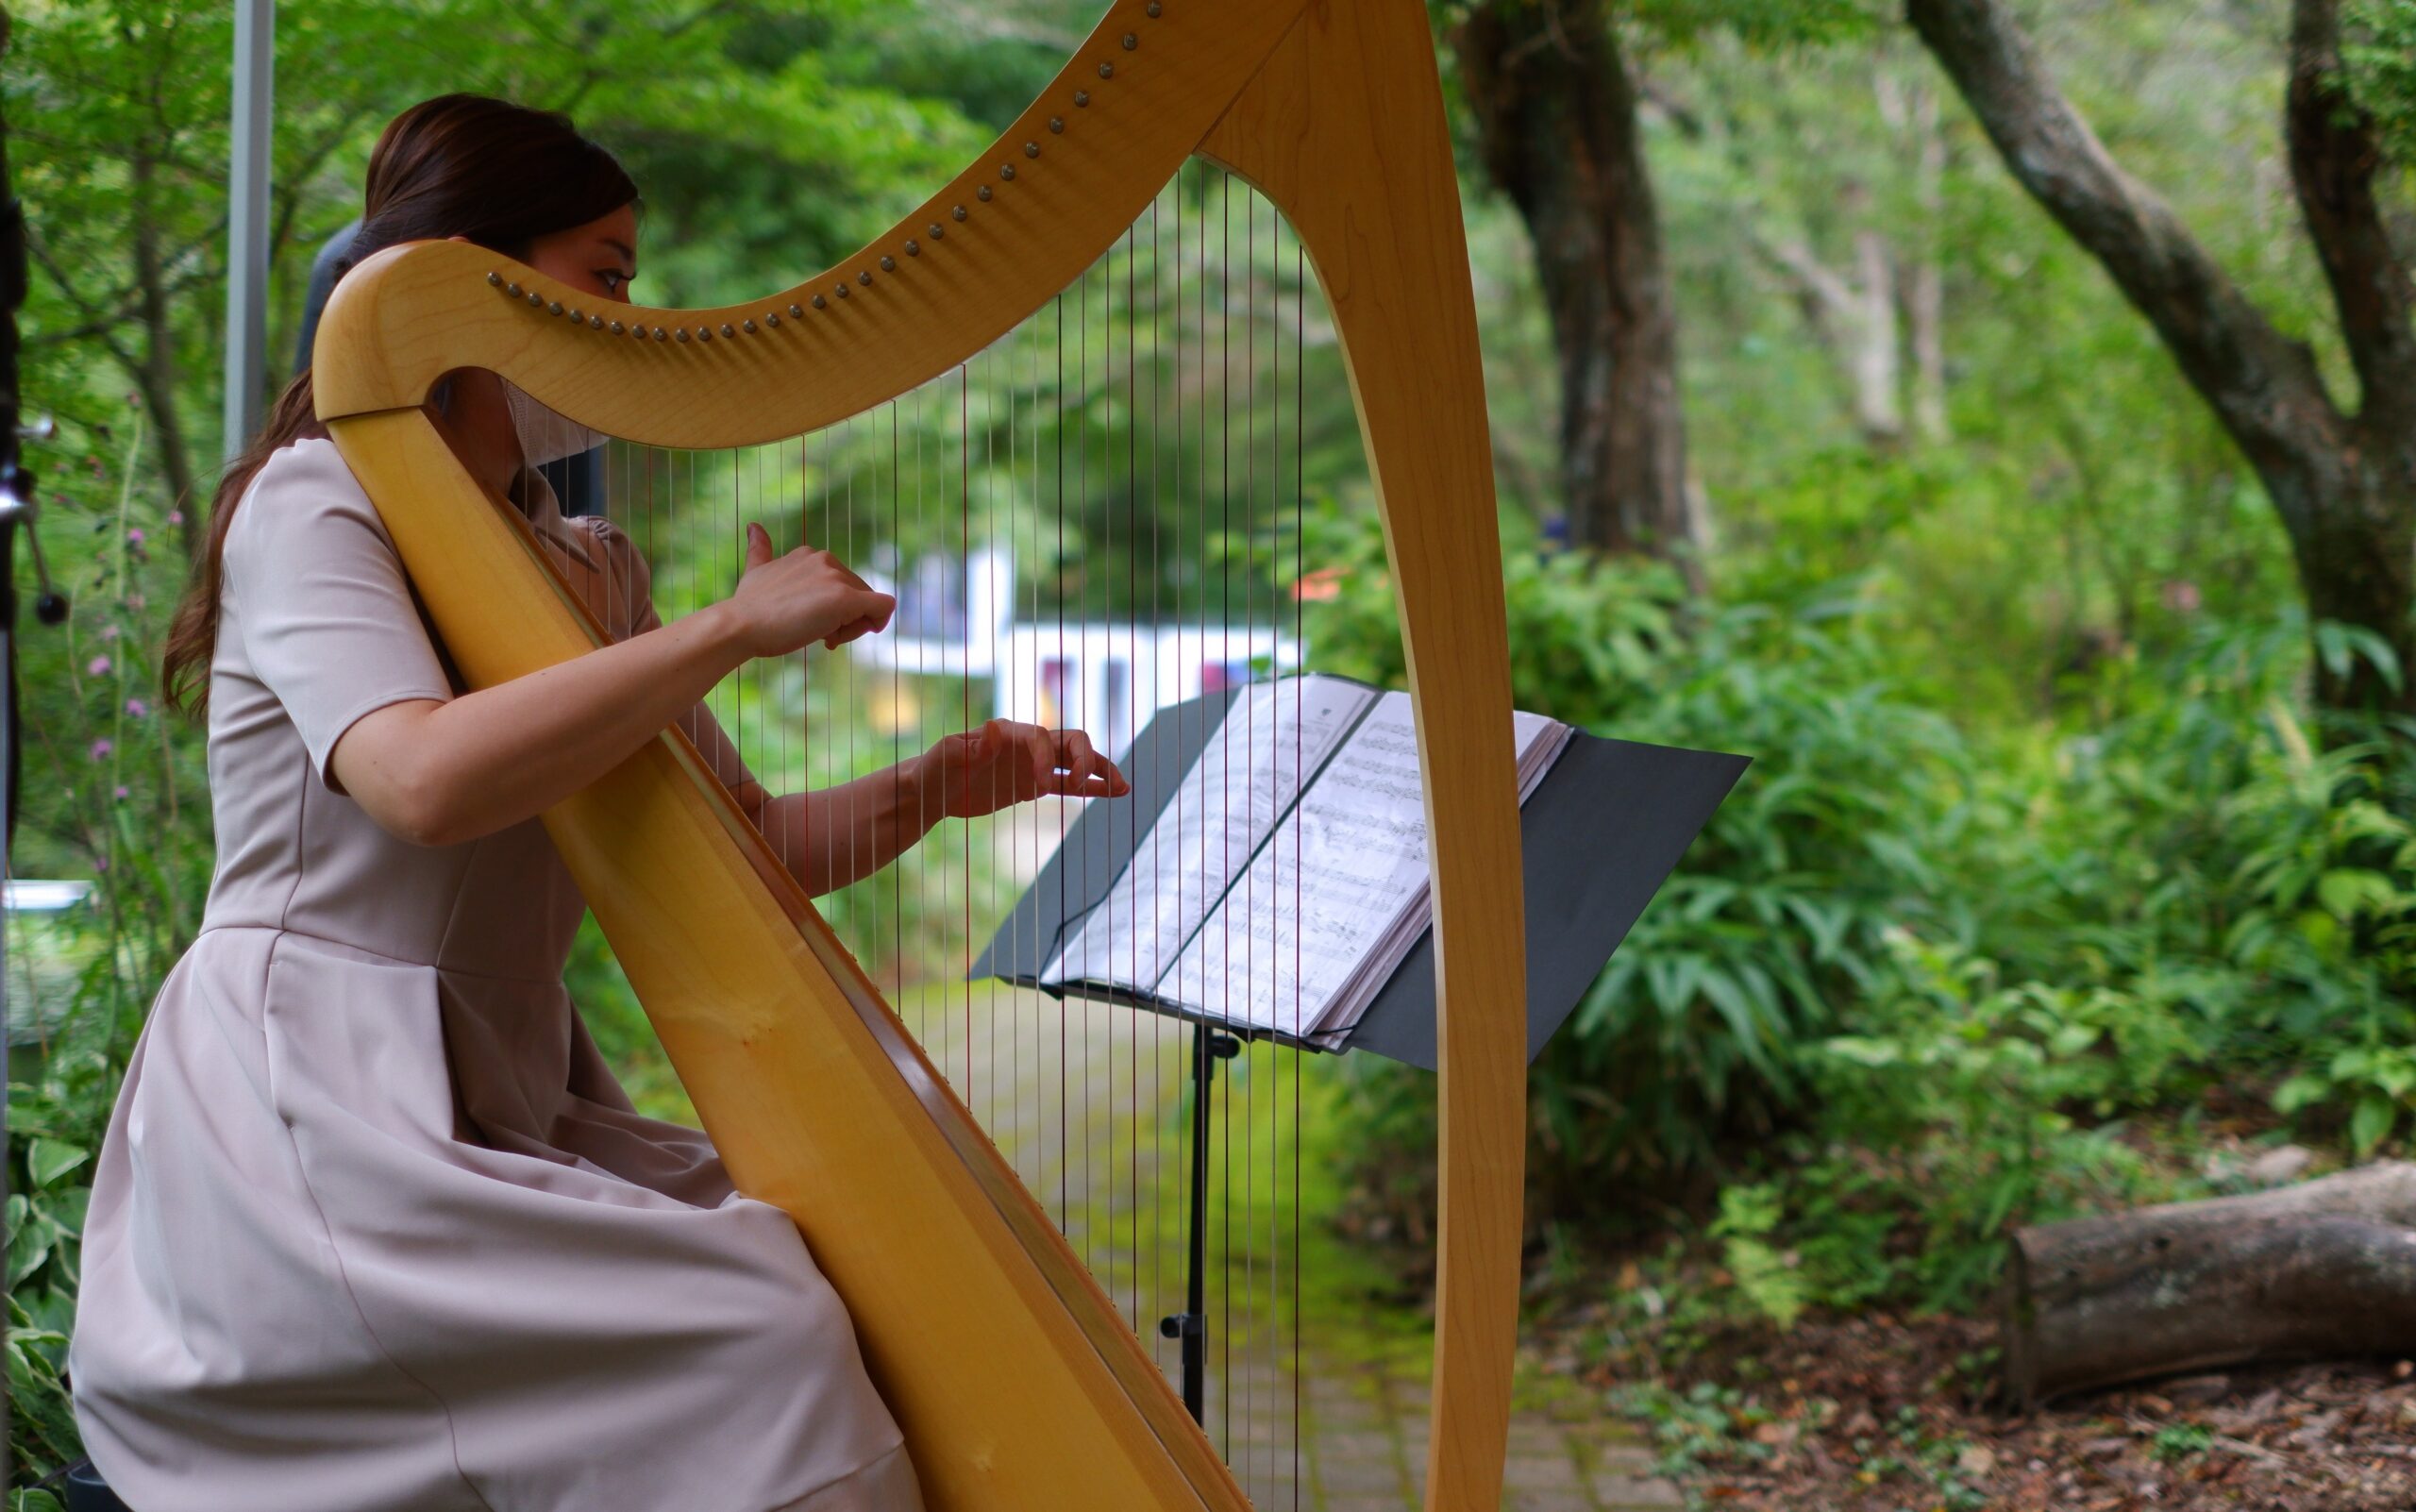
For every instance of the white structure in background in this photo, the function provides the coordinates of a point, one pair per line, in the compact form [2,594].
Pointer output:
[1105,678]
[42,962]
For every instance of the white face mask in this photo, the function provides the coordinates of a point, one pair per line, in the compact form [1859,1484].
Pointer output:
[546,434]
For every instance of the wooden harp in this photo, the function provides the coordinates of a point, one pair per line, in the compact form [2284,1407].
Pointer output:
[1018,1385]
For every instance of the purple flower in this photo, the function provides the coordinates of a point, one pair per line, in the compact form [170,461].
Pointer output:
[102,748]
[108,632]
[122,793]
[137,708]
[101,864]
[175,517]
[98,668]
[134,535]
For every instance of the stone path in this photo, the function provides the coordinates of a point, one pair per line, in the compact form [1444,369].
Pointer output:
[1365,1442]
[1358,1443]
[1334,1422]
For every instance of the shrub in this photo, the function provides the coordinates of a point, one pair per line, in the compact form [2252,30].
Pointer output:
[1917,982]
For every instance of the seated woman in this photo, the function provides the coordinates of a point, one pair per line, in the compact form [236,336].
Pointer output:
[374,1229]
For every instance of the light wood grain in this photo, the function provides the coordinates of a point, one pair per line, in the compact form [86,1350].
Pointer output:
[1344,130]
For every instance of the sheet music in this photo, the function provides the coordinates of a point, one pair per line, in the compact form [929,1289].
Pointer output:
[1245,778]
[1331,904]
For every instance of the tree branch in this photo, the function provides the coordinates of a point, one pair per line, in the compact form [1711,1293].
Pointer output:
[106,333]
[1829,301]
[2262,385]
[2334,154]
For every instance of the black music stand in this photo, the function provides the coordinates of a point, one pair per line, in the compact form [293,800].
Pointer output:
[1600,832]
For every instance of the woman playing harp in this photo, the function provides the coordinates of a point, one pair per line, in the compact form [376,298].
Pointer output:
[373,1226]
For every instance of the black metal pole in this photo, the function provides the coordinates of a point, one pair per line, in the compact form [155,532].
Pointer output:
[1190,1325]
[15,488]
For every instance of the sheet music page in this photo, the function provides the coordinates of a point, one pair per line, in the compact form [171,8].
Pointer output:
[1223,810]
[1309,926]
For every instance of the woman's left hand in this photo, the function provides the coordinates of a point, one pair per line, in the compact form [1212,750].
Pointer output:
[1005,763]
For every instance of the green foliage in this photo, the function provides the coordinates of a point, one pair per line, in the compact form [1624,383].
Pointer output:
[1762,23]
[2379,49]
[2176,1441]
[1782,907]
[116,794]
[1911,985]
[1766,1277]
[1710,1423]
[1707,1421]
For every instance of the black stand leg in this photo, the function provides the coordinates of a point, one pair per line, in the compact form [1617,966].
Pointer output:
[1208,1047]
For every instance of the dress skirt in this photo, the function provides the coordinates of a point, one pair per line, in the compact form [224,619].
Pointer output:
[374,1228]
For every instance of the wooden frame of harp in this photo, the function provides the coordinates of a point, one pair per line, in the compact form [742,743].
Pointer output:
[1016,1381]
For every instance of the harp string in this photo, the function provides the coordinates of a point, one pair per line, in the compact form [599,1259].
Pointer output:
[1075,544]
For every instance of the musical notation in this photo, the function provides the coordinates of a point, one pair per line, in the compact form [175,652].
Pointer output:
[1290,908]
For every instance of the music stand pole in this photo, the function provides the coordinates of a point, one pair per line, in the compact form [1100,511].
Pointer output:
[1208,1047]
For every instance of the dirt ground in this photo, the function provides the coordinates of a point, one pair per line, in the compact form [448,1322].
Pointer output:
[1873,1413]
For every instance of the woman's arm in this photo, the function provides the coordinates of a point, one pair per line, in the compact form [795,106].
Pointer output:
[440,773]
[832,837]
[837,835]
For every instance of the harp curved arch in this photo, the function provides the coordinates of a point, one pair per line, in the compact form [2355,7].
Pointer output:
[909,305]
[1333,110]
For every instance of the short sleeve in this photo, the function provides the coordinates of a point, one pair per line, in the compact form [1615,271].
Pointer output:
[325,612]
[620,595]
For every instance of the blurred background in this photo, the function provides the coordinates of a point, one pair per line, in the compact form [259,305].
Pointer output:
[1955,406]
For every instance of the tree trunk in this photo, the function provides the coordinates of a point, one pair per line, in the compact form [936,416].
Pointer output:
[155,377]
[2355,557]
[1877,364]
[1556,115]
[2326,1269]
[1856,319]
[2344,485]
[1925,289]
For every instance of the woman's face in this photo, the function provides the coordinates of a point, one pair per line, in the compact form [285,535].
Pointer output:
[599,258]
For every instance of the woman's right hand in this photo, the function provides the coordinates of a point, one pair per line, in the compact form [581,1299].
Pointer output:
[785,603]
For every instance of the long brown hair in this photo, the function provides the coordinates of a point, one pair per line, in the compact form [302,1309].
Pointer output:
[499,173]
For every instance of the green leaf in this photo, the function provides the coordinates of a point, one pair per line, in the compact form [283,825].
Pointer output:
[2338,645]
[2375,1114]
[1864,1050]
[46,1160]
[2322,930]
[2074,1039]
[2352,890]
[29,1246]
[2304,1090]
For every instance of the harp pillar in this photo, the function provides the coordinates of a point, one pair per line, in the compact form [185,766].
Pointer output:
[1344,129]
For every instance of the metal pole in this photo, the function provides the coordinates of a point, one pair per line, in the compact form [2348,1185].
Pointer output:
[1190,1325]
[247,170]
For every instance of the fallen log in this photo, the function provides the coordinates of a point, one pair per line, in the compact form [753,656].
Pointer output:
[2323,1270]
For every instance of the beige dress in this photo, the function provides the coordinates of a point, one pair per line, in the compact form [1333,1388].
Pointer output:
[374,1228]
